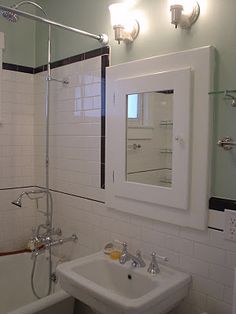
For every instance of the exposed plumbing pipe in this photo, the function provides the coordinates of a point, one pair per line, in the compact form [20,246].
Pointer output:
[49,200]
[11,13]
[102,38]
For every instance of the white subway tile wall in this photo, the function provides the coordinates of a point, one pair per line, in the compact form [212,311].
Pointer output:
[201,255]
[16,158]
[75,128]
[75,168]
[15,223]
[16,130]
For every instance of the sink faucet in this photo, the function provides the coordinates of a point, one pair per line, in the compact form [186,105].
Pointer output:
[154,267]
[137,261]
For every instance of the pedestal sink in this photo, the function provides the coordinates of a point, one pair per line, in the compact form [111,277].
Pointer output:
[111,288]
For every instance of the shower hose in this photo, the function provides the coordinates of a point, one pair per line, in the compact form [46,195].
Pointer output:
[36,294]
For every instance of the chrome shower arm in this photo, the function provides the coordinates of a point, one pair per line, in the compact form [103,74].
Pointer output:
[16,6]
[103,38]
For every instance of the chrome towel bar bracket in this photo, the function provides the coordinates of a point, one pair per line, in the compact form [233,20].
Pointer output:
[227,143]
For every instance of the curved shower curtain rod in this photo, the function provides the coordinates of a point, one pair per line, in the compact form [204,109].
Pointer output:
[103,38]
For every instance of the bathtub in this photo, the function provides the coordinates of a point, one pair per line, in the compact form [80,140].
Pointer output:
[16,296]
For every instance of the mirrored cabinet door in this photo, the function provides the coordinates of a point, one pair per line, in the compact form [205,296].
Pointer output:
[154,144]
[149,133]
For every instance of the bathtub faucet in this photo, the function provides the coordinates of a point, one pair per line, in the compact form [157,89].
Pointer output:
[39,238]
[48,231]
[49,242]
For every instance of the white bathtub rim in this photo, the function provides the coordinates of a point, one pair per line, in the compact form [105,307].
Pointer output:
[42,304]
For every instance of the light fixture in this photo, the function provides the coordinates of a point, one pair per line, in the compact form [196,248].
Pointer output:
[184,13]
[126,28]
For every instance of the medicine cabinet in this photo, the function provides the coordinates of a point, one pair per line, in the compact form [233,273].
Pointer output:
[158,137]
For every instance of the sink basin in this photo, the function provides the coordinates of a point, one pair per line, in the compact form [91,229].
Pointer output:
[111,288]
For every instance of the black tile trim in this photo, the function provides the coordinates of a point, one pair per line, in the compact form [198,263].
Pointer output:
[220,204]
[104,64]
[41,68]
[217,229]
[74,195]
[80,57]
[83,56]
[16,187]
[17,68]
[56,191]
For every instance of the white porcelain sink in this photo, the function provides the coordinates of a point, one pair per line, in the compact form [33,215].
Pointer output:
[111,288]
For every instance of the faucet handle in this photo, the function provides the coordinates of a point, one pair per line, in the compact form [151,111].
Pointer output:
[163,258]
[153,266]
[139,256]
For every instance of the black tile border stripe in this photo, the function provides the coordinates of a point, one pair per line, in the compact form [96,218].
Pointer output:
[220,204]
[217,229]
[104,64]
[80,57]
[17,68]
[78,196]
[17,187]
[56,191]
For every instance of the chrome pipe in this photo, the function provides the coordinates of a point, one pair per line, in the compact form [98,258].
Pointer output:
[49,78]
[72,238]
[102,38]
[17,5]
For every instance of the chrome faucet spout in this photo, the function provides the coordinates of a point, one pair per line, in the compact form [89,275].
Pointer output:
[125,256]
[137,260]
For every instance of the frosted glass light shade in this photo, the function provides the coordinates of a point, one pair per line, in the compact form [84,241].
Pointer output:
[118,12]
[125,27]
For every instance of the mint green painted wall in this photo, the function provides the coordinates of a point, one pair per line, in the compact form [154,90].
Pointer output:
[19,39]
[216,26]
[91,16]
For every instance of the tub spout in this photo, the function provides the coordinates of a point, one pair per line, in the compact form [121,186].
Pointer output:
[48,242]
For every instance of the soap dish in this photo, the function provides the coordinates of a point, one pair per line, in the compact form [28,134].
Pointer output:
[108,248]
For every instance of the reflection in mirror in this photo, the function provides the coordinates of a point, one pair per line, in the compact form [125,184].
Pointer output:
[149,138]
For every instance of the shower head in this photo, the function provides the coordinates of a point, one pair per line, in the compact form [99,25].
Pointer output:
[32,195]
[17,202]
[10,16]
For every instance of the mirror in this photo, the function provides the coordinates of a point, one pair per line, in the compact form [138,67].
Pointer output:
[149,132]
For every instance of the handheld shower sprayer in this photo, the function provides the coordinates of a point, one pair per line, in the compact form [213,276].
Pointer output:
[18,201]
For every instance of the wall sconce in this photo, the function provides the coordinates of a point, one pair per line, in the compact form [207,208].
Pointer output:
[126,28]
[184,14]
